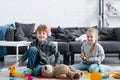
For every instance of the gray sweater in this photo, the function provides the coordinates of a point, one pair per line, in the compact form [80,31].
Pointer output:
[98,54]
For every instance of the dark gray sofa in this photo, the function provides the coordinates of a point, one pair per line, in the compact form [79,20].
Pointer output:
[109,39]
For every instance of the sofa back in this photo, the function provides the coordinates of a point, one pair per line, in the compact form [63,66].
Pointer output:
[106,34]
[70,33]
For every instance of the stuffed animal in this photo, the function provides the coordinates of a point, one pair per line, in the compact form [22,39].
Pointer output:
[61,71]
[81,38]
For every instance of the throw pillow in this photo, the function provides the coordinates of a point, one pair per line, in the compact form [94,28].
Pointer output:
[24,31]
[60,30]
[105,33]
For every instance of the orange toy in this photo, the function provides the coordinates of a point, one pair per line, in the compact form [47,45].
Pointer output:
[13,72]
[96,76]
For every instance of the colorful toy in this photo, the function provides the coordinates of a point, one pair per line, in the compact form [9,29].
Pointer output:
[105,76]
[96,76]
[29,78]
[86,58]
[116,76]
[27,74]
[13,72]
[88,74]
[13,79]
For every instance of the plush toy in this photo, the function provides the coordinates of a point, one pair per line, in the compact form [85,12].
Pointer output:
[61,71]
[81,38]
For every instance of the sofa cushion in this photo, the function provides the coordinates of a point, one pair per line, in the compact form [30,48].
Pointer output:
[60,30]
[77,31]
[63,35]
[110,46]
[24,31]
[75,47]
[105,33]
[117,33]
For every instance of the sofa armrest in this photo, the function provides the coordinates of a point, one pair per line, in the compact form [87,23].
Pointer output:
[9,36]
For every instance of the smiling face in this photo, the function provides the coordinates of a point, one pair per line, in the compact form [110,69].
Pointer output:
[42,33]
[41,36]
[92,36]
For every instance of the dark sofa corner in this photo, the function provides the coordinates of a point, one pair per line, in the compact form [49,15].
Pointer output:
[109,39]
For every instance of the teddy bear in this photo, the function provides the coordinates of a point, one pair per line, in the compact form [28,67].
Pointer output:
[61,71]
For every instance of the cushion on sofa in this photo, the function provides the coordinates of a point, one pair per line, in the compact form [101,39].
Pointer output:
[24,31]
[77,31]
[60,30]
[105,33]
[117,33]
[63,35]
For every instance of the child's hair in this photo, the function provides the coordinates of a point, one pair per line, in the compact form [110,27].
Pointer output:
[42,27]
[96,33]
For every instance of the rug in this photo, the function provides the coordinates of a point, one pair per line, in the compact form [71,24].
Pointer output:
[4,75]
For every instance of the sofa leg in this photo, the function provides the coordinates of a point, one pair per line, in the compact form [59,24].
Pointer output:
[66,59]
[72,58]
[2,58]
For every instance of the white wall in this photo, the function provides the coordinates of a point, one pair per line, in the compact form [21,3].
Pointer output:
[81,13]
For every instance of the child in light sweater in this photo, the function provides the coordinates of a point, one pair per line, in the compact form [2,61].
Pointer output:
[92,53]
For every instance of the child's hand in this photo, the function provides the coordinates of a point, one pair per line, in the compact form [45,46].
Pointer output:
[82,55]
[16,64]
[90,60]
[87,59]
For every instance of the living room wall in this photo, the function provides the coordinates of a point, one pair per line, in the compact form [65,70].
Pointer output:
[64,13]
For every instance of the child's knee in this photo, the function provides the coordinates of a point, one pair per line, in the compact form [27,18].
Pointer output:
[32,49]
[94,68]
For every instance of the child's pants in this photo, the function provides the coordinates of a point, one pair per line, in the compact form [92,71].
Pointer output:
[89,67]
[33,61]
